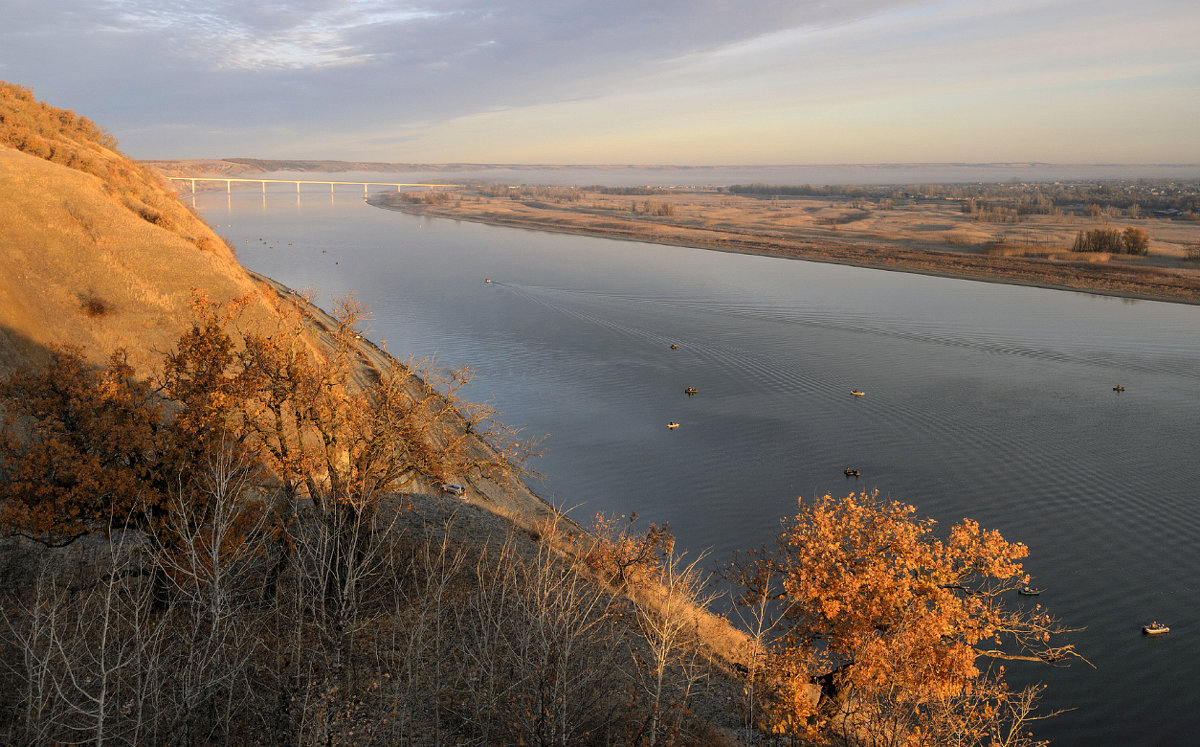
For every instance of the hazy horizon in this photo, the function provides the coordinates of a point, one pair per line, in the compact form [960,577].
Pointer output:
[693,82]
[669,175]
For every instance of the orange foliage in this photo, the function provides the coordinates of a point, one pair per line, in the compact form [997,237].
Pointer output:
[882,608]
[80,448]
[620,554]
[85,448]
[330,428]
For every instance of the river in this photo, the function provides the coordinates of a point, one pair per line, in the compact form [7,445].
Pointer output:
[983,400]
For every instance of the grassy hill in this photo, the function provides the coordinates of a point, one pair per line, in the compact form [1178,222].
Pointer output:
[96,249]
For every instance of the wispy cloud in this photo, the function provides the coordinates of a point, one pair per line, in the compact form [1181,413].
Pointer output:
[598,80]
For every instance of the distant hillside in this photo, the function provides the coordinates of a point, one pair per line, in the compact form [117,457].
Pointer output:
[245,166]
[96,250]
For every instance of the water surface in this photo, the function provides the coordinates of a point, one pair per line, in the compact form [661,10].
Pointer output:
[982,400]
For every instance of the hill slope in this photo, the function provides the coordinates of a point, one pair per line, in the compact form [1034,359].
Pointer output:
[96,250]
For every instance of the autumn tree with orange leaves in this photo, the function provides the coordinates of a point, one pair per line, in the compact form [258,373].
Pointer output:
[84,448]
[80,449]
[337,432]
[892,621]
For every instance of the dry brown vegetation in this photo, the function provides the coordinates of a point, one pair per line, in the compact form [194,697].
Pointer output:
[243,560]
[938,236]
[246,562]
[96,251]
[222,524]
[60,136]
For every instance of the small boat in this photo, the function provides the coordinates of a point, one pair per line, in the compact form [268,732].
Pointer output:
[1030,591]
[1118,388]
[672,424]
[1155,628]
[674,346]
[858,392]
[690,390]
[851,472]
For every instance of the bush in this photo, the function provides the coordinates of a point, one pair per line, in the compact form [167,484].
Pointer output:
[619,553]
[94,306]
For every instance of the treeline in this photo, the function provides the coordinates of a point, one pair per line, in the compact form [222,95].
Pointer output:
[1176,199]
[806,190]
[1113,241]
[532,192]
[661,208]
[626,191]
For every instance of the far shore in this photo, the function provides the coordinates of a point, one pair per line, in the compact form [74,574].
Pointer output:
[889,240]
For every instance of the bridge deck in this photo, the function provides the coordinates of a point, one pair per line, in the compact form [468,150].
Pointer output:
[229,180]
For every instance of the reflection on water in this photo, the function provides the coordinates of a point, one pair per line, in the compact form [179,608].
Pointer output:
[982,400]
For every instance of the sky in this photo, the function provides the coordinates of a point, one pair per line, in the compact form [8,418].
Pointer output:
[686,82]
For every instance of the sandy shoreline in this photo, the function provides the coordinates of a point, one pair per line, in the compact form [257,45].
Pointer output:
[1109,279]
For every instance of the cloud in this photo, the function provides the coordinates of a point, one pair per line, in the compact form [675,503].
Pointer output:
[343,76]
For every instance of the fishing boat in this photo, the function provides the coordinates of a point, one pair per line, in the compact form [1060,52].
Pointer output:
[851,472]
[690,390]
[858,392]
[672,424]
[1030,591]
[1118,388]
[674,347]
[1155,628]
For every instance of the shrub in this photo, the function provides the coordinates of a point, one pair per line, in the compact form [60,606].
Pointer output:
[620,554]
[94,306]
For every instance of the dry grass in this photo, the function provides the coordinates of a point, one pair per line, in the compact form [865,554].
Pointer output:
[924,237]
[68,248]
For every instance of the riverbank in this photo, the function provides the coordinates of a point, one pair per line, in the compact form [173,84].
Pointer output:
[925,239]
[505,495]
[501,512]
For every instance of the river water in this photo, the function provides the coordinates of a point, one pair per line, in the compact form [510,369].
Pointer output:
[983,400]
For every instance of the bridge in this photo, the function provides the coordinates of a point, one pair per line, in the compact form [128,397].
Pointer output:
[229,180]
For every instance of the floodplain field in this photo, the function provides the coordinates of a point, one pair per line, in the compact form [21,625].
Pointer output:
[927,233]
